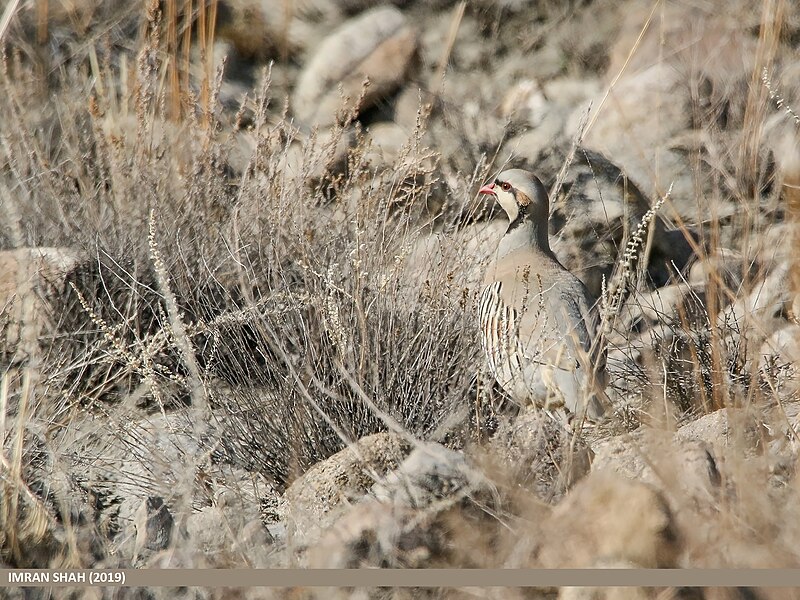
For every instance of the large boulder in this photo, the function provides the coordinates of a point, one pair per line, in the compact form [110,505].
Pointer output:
[595,213]
[607,517]
[316,499]
[435,510]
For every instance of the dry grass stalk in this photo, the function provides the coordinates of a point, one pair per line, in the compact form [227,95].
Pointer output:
[438,78]
[41,20]
[772,17]
[8,14]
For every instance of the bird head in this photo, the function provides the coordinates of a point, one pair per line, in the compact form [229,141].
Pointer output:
[520,193]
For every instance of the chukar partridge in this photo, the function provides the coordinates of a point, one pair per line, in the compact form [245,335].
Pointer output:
[538,321]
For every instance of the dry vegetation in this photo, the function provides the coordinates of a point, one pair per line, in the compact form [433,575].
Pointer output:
[186,328]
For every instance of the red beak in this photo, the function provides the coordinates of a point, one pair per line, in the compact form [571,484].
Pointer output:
[488,189]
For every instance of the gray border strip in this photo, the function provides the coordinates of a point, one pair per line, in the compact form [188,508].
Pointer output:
[546,578]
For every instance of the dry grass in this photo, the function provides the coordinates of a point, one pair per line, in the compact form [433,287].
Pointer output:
[277,308]
[287,309]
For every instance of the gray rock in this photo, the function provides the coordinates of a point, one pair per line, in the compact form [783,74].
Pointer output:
[529,103]
[147,457]
[154,525]
[663,96]
[221,535]
[775,247]
[416,517]
[679,303]
[753,436]
[209,530]
[759,313]
[594,214]
[429,474]
[716,36]
[242,146]
[466,53]
[715,429]
[356,6]
[533,143]
[685,469]
[624,128]
[571,91]
[607,517]
[317,498]
[387,140]
[726,269]
[796,308]
[377,45]
[541,454]
[411,102]
[310,159]
[525,103]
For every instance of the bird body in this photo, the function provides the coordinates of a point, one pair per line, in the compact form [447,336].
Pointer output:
[538,321]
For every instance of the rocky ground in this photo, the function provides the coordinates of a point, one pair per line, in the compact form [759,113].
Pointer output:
[239,256]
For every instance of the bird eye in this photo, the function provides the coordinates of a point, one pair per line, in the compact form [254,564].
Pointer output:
[505,186]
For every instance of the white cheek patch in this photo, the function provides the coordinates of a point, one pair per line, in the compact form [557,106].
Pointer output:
[509,205]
